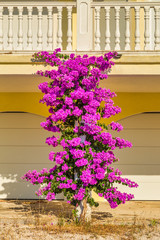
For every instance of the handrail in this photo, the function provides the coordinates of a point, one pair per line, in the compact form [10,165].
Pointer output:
[123,4]
[38,3]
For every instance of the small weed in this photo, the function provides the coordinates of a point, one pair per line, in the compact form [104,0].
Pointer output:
[153,222]
[74,216]
[60,222]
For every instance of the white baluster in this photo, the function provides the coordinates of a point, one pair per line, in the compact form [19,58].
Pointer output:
[137,28]
[1,28]
[147,32]
[59,31]
[69,32]
[29,32]
[20,29]
[107,35]
[39,32]
[157,28]
[49,33]
[117,31]
[10,28]
[127,33]
[97,31]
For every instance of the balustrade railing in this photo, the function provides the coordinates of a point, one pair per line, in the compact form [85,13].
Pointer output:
[126,26]
[31,26]
[28,26]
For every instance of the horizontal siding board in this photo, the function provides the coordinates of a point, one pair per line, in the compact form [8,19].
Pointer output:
[20,120]
[26,154]
[138,169]
[17,137]
[142,121]
[140,137]
[16,171]
[138,155]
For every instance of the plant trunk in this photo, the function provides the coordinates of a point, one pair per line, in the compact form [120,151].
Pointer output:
[84,211]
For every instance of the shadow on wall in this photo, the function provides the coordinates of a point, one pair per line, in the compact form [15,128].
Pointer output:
[12,187]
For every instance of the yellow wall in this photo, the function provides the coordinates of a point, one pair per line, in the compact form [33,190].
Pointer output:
[24,102]
[135,103]
[130,103]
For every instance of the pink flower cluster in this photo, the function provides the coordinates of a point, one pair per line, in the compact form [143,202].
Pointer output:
[116,126]
[75,107]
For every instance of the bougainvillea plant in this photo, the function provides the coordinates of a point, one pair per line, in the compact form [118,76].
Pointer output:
[76,105]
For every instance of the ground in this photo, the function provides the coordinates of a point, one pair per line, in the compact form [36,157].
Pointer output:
[40,220]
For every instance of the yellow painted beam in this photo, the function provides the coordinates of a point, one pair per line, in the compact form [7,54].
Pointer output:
[23,102]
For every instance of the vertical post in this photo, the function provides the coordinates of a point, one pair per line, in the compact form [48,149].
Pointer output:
[1,28]
[147,33]
[97,30]
[84,23]
[59,31]
[10,28]
[39,33]
[117,31]
[127,33]
[157,28]
[69,31]
[20,29]
[107,35]
[29,32]
[49,33]
[137,30]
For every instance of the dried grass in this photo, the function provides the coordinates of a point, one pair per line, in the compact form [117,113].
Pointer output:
[40,223]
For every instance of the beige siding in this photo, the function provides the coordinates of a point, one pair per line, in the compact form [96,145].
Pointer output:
[142,162]
[22,148]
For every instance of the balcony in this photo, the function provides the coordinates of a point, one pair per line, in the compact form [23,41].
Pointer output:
[82,25]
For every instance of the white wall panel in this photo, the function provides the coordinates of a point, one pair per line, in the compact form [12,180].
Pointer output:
[27,137]
[26,154]
[148,187]
[20,120]
[142,121]
[138,155]
[141,137]
[11,184]
[138,169]
[22,148]
[141,163]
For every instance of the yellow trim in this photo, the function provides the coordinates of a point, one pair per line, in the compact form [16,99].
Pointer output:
[24,102]
[134,103]
[132,58]
[130,103]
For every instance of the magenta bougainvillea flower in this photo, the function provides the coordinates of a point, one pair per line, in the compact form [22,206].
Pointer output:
[75,106]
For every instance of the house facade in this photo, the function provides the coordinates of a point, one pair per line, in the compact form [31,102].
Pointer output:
[132,28]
